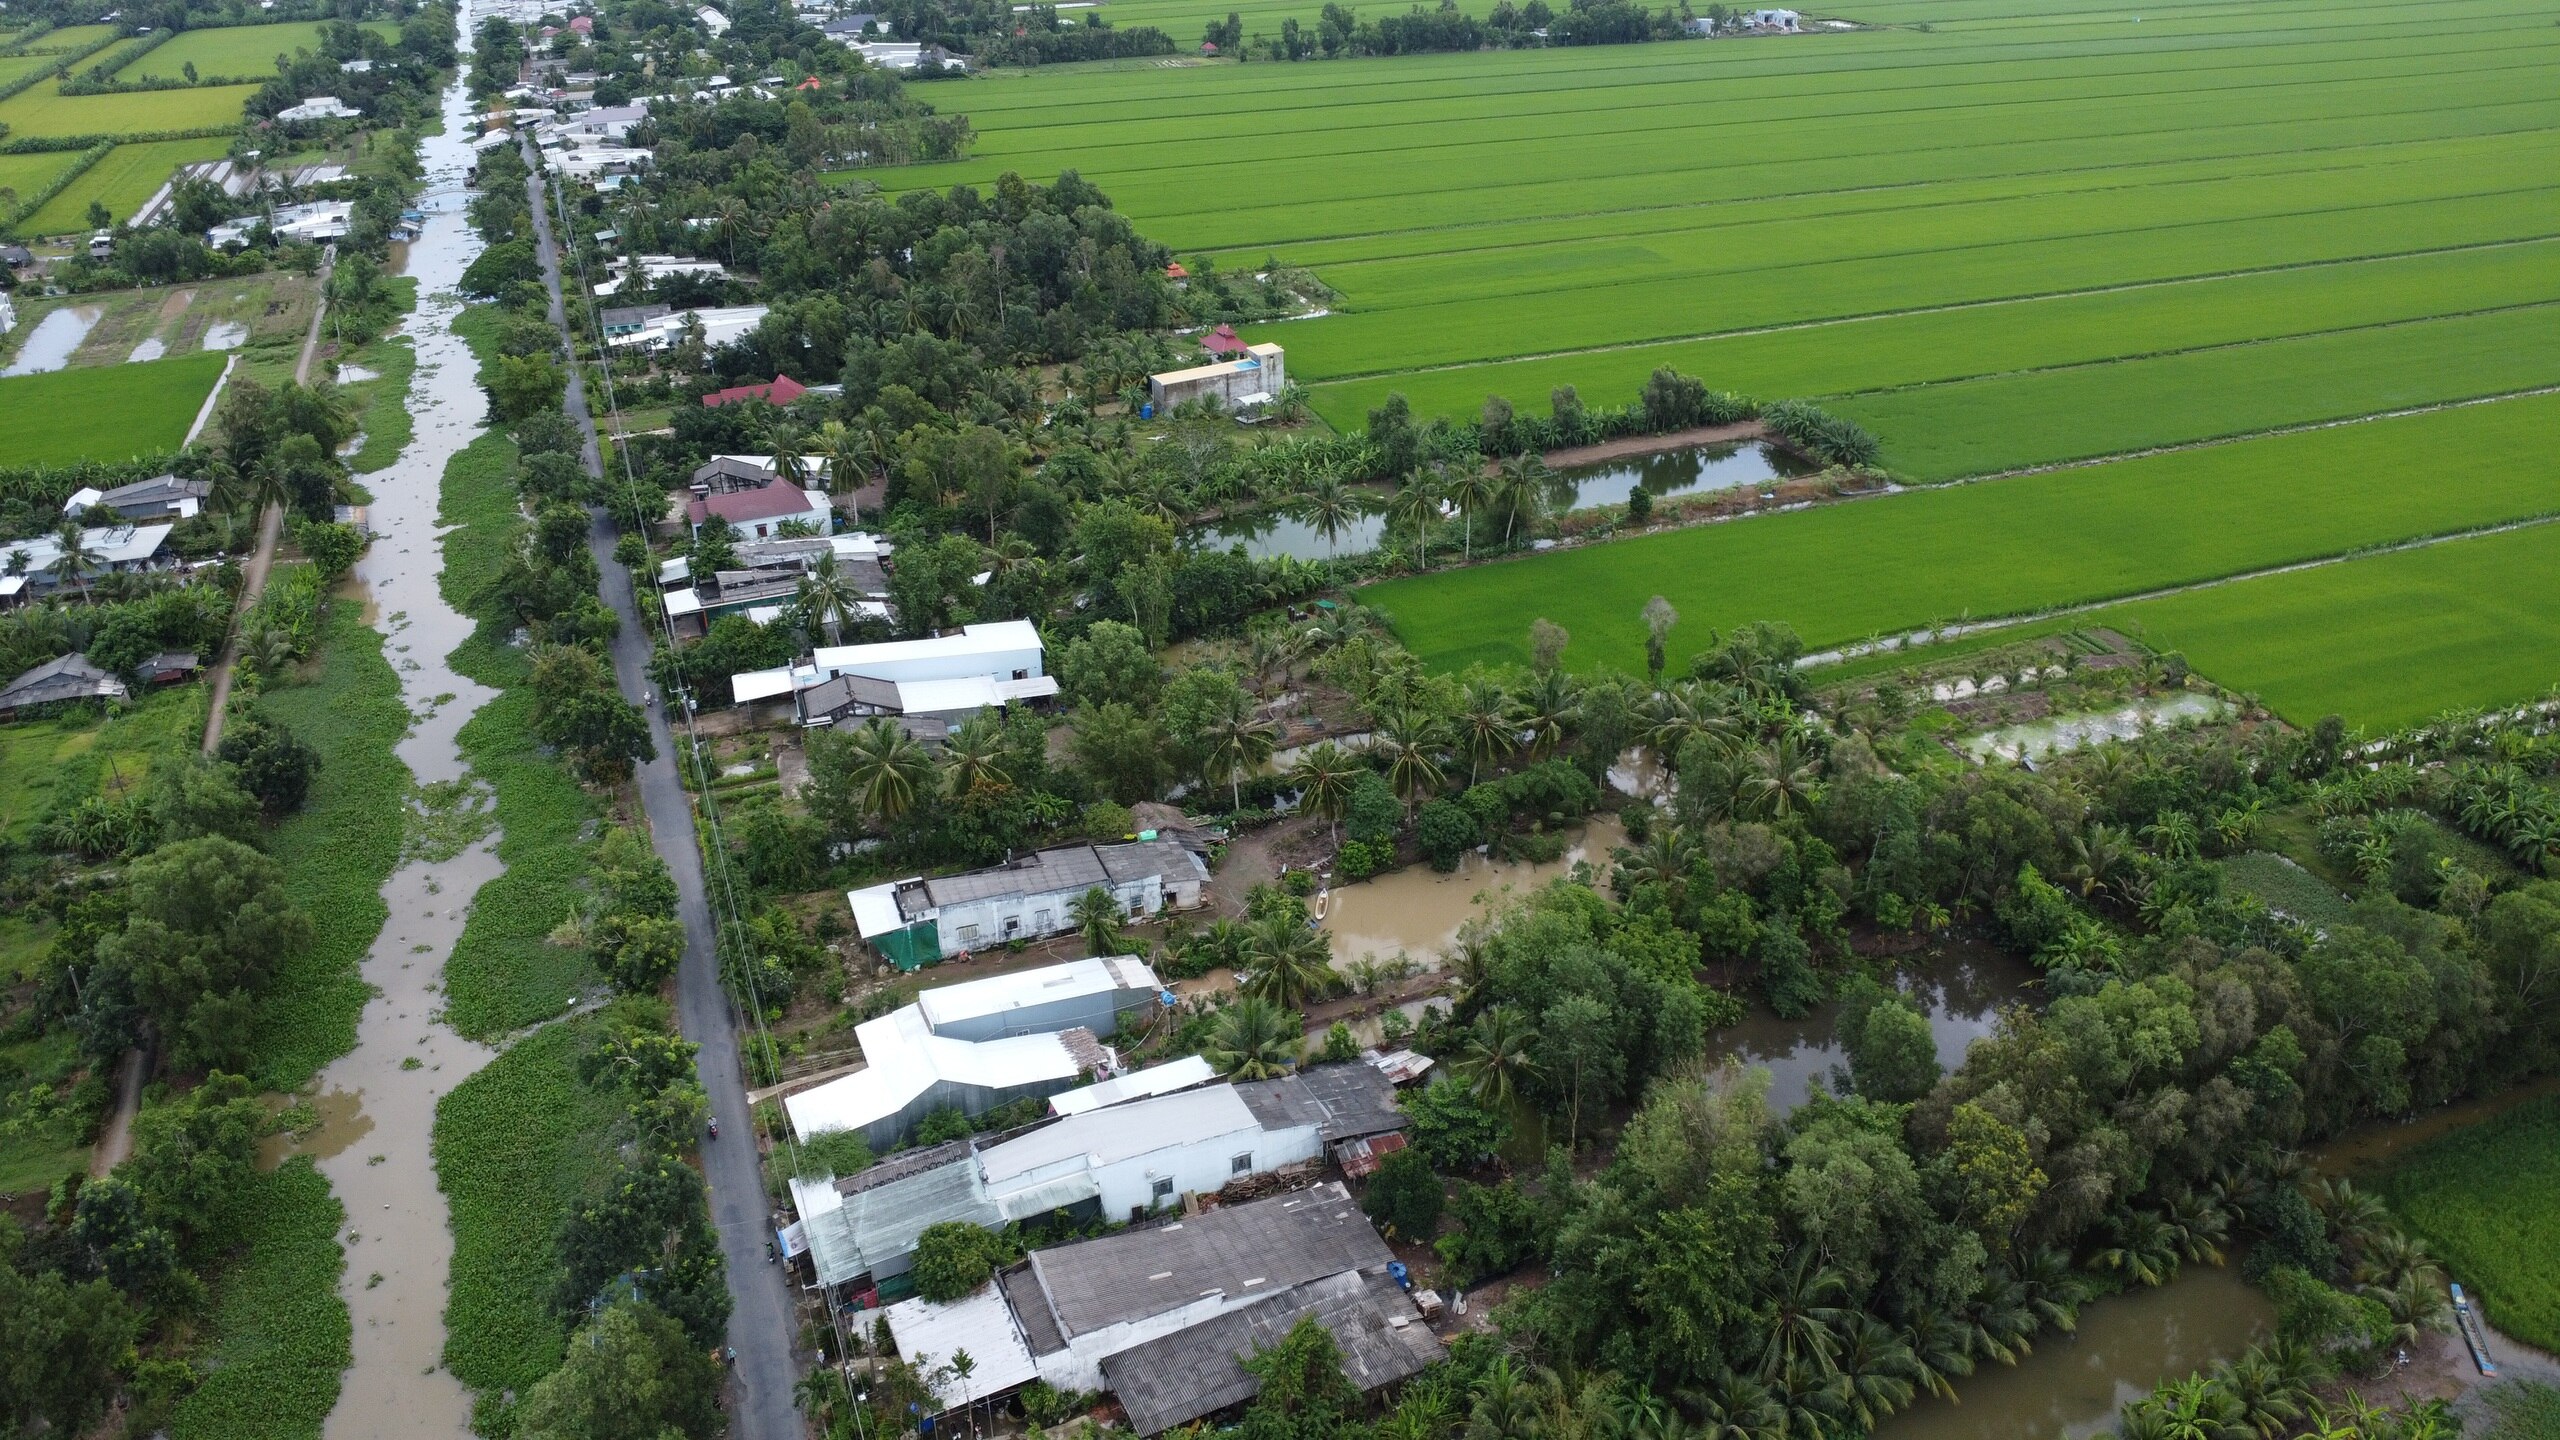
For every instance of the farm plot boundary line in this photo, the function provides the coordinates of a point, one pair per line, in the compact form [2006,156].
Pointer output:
[2036,297]
[2334,161]
[1652,70]
[1512,297]
[2165,352]
[1094,157]
[1936,634]
[1234,251]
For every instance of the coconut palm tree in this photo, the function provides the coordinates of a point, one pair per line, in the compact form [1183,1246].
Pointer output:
[1734,1407]
[1548,708]
[1332,508]
[1941,1353]
[1494,1060]
[1288,962]
[829,597]
[1411,743]
[888,769]
[1998,1321]
[73,565]
[1098,915]
[1783,778]
[789,457]
[1689,710]
[1415,505]
[1324,775]
[2271,1400]
[1488,725]
[1808,1315]
[973,757]
[1236,742]
[2201,1226]
[1253,1039]
[1471,491]
[1665,859]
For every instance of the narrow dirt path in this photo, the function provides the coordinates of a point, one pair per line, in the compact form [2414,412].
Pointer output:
[270,530]
[116,1141]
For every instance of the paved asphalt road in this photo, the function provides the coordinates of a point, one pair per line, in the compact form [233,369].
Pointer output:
[761,1406]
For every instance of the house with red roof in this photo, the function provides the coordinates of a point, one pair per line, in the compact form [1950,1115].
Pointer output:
[1222,343]
[761,512]
[780,390]
[1176,272]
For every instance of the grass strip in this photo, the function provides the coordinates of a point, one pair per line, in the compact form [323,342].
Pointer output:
[515,1146]
[2486,1199]
[504,973]
[279,1337]
[341,847]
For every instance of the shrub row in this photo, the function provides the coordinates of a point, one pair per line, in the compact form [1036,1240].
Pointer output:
[44,195]
[41,144]
[60,64]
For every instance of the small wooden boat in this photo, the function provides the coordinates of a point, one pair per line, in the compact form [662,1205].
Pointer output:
[2474,1333]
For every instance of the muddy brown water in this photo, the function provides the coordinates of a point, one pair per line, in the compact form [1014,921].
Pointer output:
[1961,991]
[377,1103]
[1417,911]
[2073,1385]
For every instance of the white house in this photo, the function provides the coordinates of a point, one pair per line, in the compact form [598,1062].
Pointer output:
[316,108]
[720,325]
[1785,20]
[921,920]
[996,651]
[314,221]
[978,1045]
[593,162]
[713,22]
[163,497]
[1142,1156]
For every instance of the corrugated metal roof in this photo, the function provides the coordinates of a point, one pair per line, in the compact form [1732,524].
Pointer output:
[1002,994]
[1240,1250]
[1181,1377]
[1162,1079]
[1121,1131]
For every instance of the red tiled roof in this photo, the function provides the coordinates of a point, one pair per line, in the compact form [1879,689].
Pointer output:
[812,83]
[1175,271]
[781,390]
[1222,341]
[745,507]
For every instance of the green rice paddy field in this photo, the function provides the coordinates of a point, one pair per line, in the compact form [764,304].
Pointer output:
[128,176]
[125,410]
[234,50]
[1841,573]
[41,110]
[2010,173]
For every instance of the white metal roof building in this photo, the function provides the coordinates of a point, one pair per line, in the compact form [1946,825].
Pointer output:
[916,921]
[978,1045]
[1237,384]
[1163,1079]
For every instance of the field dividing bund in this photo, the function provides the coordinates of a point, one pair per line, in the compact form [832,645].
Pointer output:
[125,410]
[128,177]
[41,111]
[1890,352]
[1842,572]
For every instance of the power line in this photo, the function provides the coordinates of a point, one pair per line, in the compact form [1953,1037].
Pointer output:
[710,806]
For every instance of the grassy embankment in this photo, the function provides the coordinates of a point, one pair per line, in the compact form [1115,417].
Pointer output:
[2486,1199]
[519,1142]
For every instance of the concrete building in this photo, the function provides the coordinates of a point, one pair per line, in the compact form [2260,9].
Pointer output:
[996,652]
[978,1045]
[1239,384]
[629,319]
[1787,21]
[319,220]
[1163,1315]
[719,324]
[921,921]
[714,23]
[768,576]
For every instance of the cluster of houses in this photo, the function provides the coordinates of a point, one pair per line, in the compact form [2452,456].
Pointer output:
[312,222]
[1159,1314]
[767,579]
